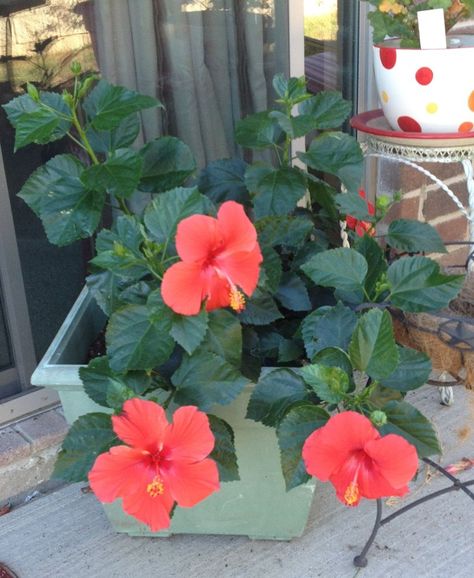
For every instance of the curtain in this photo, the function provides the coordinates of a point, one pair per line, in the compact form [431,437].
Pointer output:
[209,61]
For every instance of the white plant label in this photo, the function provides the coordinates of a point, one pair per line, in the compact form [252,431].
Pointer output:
[432,29]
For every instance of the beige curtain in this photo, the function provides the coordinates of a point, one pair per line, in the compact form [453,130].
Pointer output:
[209,61]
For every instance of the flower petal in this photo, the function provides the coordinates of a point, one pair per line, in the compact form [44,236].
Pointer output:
[190,483]
[236,229]
[395,458]
[217,291]
[242,268]
[183,288]
[197,238]
[189,437]
[152,511]
[119,471]
[141,425]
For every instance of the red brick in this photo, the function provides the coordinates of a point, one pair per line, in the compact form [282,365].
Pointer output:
[454,229]
[405,209]
[411,179]
[456,258]
[439,203]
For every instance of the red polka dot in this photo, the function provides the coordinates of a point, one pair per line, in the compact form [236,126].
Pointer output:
[408,124]
[471,101]
[466,127]
[388,57]
[424,75]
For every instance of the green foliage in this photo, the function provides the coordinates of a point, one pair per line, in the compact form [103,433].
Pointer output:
[224,450]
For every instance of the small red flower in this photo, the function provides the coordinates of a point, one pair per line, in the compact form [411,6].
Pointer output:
[217,256]
[350,453]
[362,227]
[161,464]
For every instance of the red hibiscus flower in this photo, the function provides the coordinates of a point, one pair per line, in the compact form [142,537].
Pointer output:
[162,464]
[350,453]
[217,256]
[362,227]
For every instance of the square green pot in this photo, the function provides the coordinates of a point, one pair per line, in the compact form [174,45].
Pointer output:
[257,505]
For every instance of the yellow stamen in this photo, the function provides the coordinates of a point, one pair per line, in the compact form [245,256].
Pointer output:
[351,495]
[237,300]
[156,487]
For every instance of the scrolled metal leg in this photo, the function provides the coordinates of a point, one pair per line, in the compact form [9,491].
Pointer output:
[360,561]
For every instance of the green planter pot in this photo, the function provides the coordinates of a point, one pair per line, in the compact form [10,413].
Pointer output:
[257,505]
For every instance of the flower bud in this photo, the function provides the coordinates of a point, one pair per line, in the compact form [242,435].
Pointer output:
[76,68]
[378,418]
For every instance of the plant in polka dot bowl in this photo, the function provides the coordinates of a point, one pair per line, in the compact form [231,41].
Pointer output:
[429,89]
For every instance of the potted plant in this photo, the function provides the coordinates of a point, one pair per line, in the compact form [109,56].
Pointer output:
[235,322]
[422,90]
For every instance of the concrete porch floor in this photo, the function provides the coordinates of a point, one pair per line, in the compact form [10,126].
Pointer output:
[65,534]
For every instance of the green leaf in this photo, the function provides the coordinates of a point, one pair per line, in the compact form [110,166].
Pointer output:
[138,336]
[418,285]
[189,330]
[274,393]
[334,357]
[106,141]
[107,105]
[373,348]
[224,449]
[292,293]
[338,154]
[223,180]
[290,90]
[271,268]
[257,131]
[276,191]
[68,210]
[224,336]
[343,268]
[407,421]
[167,163]
[105,287]
[327,110]
[89,436]
[118,175]
[414,237]
[205,379]
[329,383]
[260,309]
[354,205]
[111,389]
[164,213]
[287,231]
[380,396]
[331,328]
[412,371]
[301,420]
[373,254]
[36,123]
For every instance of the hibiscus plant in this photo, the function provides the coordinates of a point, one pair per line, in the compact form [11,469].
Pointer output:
[232,275]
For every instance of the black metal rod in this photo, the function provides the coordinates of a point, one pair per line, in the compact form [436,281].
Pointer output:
[360,561]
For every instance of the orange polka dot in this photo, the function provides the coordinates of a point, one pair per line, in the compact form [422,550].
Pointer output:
[466,127]
[471,101]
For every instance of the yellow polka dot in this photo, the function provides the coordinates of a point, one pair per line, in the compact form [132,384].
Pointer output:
[432,107]
[384,96]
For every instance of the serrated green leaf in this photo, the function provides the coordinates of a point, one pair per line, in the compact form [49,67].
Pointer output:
[272,267]
[257,131]
[274,393]
[287,231]
[118,175]
[291,90]
[108,105]
[123,136]
[167,163]
[414,237]
[300,421]
[354,205]
[35,123]
[224,450]
[138,336]
[417,284]
[407,421]
[89,436]
[373,254]
[373,348]
[189,330]
[224,336]
[164,213]
[223,180]
[329,383]
[292,293]
[68,210]
[333,328]
[105,287]
[343,268]
[338,154]
[260,309]
[334,357]
[327,109]
[412,371]
[205,379]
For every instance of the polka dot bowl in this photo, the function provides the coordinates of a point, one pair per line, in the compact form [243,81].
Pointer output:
[429,91]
